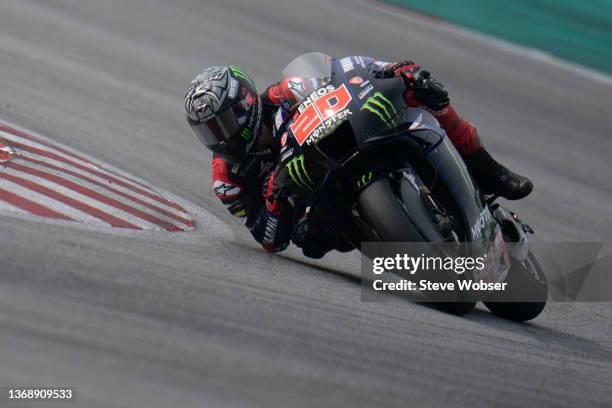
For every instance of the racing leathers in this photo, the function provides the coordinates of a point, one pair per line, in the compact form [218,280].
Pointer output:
[252,192]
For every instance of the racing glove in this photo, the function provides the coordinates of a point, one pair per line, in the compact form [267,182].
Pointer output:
[272,228]
[422,88]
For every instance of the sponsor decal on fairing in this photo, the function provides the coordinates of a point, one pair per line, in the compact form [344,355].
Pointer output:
[298,173]
[347,64]
[278,119]
[284,139]
[481,222]
[359,61]
[286,154]
[319,112]
[365,92]
[381,106]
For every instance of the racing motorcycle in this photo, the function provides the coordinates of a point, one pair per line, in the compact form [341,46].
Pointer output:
[372,169]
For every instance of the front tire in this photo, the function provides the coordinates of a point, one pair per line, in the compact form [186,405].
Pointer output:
[383,211]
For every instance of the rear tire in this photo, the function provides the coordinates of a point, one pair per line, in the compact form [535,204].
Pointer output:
[384,213]
[456,308]
[529,275]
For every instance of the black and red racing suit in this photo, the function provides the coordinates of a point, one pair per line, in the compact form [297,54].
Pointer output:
[249,190]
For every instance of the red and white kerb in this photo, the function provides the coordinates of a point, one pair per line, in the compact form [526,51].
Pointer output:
[42,178]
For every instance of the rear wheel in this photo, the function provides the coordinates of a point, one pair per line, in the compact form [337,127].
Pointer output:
[526,280]
[383,211]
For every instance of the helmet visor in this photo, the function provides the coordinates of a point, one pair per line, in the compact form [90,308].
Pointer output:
[218,130]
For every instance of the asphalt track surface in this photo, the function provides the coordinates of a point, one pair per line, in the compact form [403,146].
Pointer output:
[205,318]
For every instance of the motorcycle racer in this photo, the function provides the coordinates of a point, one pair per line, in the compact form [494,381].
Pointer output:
[228,115]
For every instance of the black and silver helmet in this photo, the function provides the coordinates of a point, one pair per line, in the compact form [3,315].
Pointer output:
[224,111]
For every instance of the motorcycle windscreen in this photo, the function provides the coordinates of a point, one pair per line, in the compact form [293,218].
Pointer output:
[307,73]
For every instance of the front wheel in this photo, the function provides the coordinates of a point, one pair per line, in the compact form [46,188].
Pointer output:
[526,280]
[383,211]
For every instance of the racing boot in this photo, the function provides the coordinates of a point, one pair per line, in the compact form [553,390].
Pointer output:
[493,178]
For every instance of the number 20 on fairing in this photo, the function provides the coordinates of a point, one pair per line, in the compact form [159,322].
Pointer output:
[321,107]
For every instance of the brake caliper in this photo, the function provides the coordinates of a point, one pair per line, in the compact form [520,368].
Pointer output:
[444,221]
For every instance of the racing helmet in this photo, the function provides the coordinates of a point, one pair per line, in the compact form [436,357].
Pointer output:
[224,110]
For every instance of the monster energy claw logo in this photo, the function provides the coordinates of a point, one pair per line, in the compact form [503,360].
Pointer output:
[247,134]
[297,172]
[382,107]
[239,74]
[364,180]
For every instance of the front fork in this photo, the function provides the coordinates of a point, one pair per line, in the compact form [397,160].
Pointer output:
[442,221]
